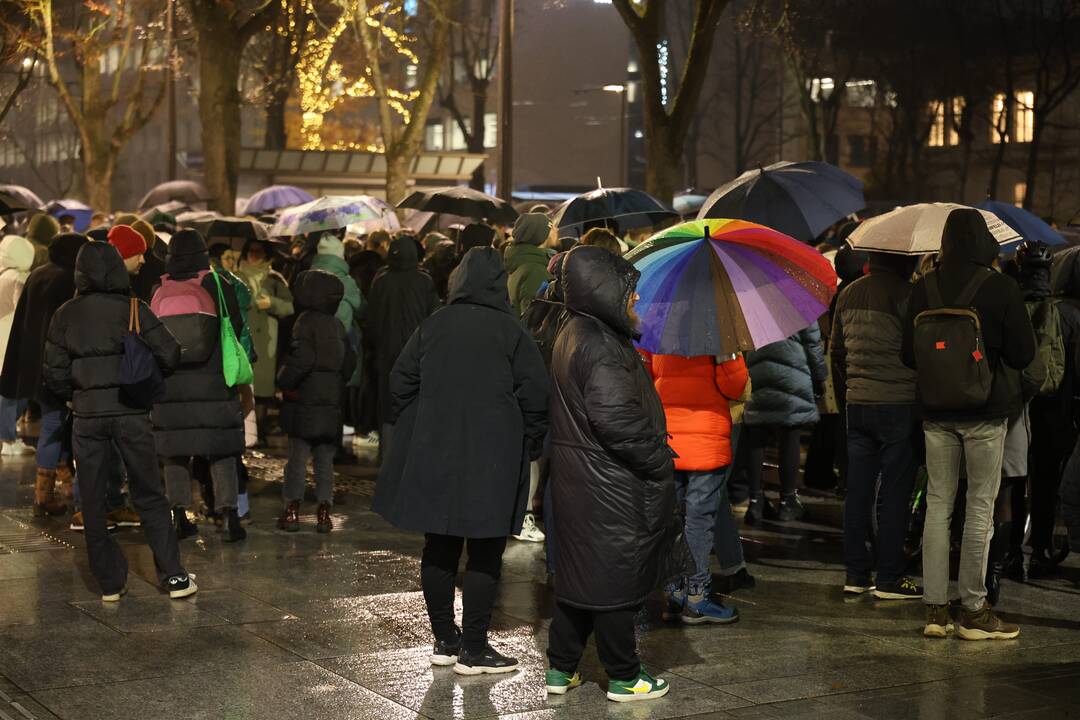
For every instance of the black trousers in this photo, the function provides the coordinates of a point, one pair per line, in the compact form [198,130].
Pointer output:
[439,569]
[615,641]
[1048,455]
[92,443]
[787,441]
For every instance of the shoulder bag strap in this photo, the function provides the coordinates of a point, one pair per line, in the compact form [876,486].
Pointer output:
[133,317]
[223,309]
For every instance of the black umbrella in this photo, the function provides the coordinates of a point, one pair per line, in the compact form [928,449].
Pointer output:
[9,204]
[461,200]
[235,231]
[21,196]
[186,191]
[620,209]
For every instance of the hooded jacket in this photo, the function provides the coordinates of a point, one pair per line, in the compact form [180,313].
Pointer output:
[16,259]
[786,378]
[967,247]
[349,310]
[401,297]
[85,342]
[470,402]
[612,481]
[47,288]
[867,335]
[526,267]
[263,280]
[319,363]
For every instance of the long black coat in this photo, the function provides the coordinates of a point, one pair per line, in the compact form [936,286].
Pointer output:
[319,363]
[85,342]
[47,288]
[400,299]
[470,410]
[199,415]
[612,471]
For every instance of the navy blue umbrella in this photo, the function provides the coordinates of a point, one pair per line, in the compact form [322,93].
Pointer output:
[619,209]
[1027,224]
[798,199]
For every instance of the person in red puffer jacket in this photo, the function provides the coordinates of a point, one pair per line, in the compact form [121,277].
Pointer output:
[696,392]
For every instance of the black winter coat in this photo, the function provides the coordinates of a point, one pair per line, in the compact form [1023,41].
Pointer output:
[612,480]
[400,299]
[319,362]
[199,415]
[148,278]
[785,377]
[85,343]
[470,408]
[47,288]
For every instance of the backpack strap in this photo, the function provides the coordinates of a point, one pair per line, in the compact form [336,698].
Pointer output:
[972,288]
[933,291]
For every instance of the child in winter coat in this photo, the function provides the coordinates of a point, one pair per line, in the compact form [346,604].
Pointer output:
[312,379]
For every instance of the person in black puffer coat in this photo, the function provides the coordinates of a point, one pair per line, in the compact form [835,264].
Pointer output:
[612,474]
[83,356]
[787,379]
[312,379]
[199,415]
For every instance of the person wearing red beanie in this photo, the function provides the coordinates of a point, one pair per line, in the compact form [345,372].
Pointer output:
[131,246]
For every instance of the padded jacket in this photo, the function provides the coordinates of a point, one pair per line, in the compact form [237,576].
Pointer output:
[787,376]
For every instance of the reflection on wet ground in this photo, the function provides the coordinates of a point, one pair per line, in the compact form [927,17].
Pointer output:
[312,626]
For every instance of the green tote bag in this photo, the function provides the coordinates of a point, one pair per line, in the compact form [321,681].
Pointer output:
[234,360]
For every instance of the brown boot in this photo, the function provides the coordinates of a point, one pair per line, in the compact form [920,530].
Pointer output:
[64,479]
[290,517]
[45,501]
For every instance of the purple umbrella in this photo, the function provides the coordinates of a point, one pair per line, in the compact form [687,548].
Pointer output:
[276,197]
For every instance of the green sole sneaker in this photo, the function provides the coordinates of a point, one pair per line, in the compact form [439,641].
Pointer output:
[644,687]
[559,683]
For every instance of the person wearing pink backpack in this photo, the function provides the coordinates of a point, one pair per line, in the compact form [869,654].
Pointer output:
[199,415]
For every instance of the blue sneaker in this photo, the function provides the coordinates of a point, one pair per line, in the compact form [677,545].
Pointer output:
[703,609]
[674,603]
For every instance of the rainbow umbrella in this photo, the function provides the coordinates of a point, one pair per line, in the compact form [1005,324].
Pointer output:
[719,287]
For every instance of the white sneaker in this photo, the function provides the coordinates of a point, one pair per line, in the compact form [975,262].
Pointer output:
[348,430]
[16,447]
[369,440]
[529,531]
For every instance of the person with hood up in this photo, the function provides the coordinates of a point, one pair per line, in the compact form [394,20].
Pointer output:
[882,425]
[475,235]
[198,415]
[47,288]
[41,231]
[526,262]
[146,280]
[16,259]
[401,298]
[330,257]
[612,479]
[456,474]
[312,378]
[968,252]
[787,378]
[83,357]
[440,259]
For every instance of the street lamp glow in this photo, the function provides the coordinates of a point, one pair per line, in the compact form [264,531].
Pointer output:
[614,88]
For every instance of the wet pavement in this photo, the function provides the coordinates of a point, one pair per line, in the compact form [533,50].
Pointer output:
[313,626]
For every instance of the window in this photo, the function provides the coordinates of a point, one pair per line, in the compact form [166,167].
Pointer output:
[936,138]
[955,118]
[1019,191]
[862,150]
[410,76]
[491,130]
[1024,126]
[433,136]
[999,120]
[821,88]
[860,93]
[410,7]
[457,138]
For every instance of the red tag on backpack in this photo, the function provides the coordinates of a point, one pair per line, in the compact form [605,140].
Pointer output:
[977,355]
[939,345]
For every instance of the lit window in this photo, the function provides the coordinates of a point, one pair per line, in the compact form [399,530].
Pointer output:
[1019,191]
[1024,128]
[457,137]
[937,125]
[638,134]
[491,129]
[410,7]
[632,66]
[957,109]
[860,93]
[999,120]
[433,136]
[410,77]
[821,88]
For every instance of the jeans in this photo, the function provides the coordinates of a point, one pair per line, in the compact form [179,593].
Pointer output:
[296,470]
[438,570]
[50,448]
[93,440]
[222,473]
[10,410]
[880,442]
[787,439]
[726,541]
[981,444]
[615,641]
[700,491]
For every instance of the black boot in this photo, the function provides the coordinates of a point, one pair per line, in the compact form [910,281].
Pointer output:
[184,527]
[1042,564]
[999,547]
[234,532]
[1013,564]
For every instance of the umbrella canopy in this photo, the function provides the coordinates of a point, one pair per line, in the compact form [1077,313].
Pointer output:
[235,231]
[197,219]
[23,196]
[387,220]
[186,191]
[618,208]
[1065,273]
[1026,224]
[276,197]
[461,200]
[81,212]
[688,204]
[719,287]
[10,204]
[798,199]
[326,213]
[917,229]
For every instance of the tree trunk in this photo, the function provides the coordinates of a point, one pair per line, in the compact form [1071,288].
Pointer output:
[1032,174]
[276,138]
[995,170]
[219,111]
[99,165]
[397,175]
[476,137]
[662,158]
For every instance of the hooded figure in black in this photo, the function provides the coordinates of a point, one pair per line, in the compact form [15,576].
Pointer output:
[83,355]
[199,415]
[470,399]
[312,378]
[401,297]
[612,472]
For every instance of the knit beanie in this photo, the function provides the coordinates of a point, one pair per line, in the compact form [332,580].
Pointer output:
[187,253]
[127,241]
[532,228]
[42,229]
[330,245]
[140,226]
[475,235]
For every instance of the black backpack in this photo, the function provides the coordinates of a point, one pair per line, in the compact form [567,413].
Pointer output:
[953,370]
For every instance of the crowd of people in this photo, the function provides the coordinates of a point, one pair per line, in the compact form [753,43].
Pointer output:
[496,371]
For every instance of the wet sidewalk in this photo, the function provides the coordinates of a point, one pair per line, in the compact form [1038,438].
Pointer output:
[326,627]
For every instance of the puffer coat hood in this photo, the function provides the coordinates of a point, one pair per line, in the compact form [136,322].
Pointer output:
[317,290]
[64,249]
[599,284]
[17,253]
[785,377]
[99,269]
[480,279]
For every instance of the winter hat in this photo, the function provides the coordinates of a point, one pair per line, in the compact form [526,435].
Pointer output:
[140,226]
[532,229]
[475,235]
[187,253]
[330,245]
[16,253]
[127,241]
[42,229]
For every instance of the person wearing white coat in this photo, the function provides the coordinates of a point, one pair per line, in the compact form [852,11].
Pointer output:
[16,258]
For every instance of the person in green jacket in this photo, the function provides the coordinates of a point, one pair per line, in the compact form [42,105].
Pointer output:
[526,262]
[330,256]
